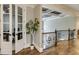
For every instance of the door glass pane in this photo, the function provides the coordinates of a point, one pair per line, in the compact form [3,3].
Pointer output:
[19,11]
[19,19]
[13,23]
[5,27]
[6,22]
[6,36]
[19,27]
[19,36]
[13,9]
[13,18]
[6,18]
[6,8]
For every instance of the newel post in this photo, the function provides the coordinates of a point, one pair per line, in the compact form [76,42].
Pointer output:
[69,34]
[55,37]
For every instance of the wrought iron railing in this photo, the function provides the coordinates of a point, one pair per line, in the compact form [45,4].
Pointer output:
[48,39]
[52,38]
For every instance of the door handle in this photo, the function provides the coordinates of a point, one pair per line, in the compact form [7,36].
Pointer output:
[10,34]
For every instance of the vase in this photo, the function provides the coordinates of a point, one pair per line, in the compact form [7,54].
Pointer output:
[31,47]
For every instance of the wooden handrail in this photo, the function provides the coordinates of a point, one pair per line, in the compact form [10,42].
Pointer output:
[48,32]
[66,30]
[56,38]
[57,31]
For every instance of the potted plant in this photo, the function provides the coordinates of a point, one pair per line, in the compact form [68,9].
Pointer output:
[31,28]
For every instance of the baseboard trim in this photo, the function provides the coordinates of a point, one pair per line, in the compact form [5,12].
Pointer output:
[39,49]
[19,51]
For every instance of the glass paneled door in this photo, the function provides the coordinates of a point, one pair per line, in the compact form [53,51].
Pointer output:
[6,29]
[19,42]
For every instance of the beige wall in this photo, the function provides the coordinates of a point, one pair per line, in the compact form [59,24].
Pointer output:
[38,40]
[29,16]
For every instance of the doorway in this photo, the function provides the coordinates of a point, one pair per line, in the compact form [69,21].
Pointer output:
[11,28]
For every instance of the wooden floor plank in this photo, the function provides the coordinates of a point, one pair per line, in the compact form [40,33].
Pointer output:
[63,48]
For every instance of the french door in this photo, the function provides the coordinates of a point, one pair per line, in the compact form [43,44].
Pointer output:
[6,29]
[19,42]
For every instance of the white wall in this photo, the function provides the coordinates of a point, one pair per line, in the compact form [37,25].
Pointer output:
[13,26]
[38,37]
[63,23]
[29,16]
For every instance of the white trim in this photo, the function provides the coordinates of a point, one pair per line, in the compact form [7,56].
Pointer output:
[10,27]
[38,48]
[24,27]
[1,23]
[15,28]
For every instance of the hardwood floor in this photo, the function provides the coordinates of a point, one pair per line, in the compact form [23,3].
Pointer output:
[63,48]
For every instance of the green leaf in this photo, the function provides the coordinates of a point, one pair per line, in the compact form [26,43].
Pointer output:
[32,26]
